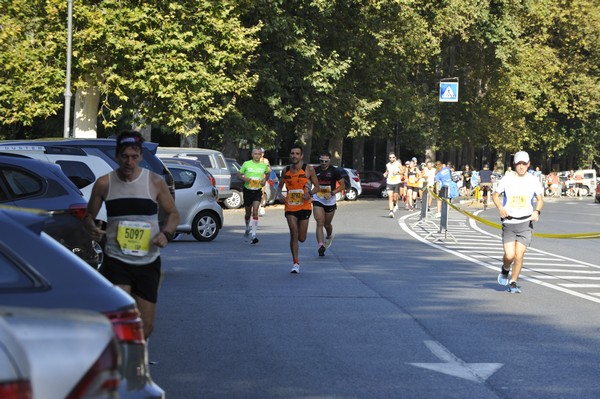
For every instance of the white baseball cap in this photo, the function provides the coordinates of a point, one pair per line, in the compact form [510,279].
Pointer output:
[521,156]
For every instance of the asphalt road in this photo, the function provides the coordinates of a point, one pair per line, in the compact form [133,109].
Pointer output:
[382,315]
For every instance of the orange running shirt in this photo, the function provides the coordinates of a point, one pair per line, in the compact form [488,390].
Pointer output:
[296,184]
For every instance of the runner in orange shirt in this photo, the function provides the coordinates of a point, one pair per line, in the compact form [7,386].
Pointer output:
[298,207]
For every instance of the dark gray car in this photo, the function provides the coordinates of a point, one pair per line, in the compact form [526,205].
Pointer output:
[30,183]
[52,277]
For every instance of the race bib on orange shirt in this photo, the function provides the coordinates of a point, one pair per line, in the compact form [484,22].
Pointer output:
[295,197]
[134,237]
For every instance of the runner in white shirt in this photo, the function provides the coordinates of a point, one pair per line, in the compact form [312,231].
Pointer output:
[517,212]
[393,174]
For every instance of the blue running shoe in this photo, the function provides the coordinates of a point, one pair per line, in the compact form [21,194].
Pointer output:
[513,288]
[503,277]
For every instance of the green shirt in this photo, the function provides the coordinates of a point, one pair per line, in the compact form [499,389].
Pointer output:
[254,171]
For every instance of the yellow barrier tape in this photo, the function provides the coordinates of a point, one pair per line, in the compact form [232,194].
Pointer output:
[499,226]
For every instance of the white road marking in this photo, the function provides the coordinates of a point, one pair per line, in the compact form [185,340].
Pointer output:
[485,259]
[452,365]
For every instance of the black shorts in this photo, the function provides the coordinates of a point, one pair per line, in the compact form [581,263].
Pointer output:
[300,215]
[251,196]
[143,279]
[327,208]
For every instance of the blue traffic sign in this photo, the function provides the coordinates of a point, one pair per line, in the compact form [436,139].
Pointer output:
[449,92]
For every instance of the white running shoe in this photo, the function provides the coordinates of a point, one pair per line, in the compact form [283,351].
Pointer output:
[395,208]
[328,241]
[391,214]
[261,211]
[295,268]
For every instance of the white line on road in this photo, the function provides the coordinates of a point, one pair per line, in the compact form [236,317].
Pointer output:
[565,289]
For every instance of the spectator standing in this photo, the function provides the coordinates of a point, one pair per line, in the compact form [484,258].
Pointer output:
[578,178]
[443,180]
[466,181]
[429,173]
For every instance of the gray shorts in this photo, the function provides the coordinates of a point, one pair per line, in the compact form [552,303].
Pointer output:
[393,187]
[521,232]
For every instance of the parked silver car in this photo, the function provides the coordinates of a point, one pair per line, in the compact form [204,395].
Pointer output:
[196,200]
[57,354]
[212,160]
[355,189]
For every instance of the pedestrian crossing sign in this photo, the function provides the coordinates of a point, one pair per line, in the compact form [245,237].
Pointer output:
[449,92]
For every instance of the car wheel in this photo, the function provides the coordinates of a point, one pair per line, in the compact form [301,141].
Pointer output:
[235,201]
[584,191]
[383,192]
[339,196]
[351,194]
[205,226]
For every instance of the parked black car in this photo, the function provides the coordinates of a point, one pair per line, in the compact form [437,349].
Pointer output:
[51,277]
[237,185]
[29,183]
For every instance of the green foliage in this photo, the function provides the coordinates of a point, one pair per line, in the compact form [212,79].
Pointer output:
[258,71]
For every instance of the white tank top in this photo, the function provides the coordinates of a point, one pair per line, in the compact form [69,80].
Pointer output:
[132,219]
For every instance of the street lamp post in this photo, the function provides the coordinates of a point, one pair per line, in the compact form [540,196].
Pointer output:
[68,94]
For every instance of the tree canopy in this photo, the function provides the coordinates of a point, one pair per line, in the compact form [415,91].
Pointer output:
[271,71]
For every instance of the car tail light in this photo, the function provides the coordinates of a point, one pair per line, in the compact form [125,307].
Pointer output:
[127,326]
[78,210]
[356,179]
[102,378]
[16,390]
[213,181]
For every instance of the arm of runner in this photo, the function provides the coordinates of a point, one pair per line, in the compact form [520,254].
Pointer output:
[498,203]
[279,194]
[99,191]
[314,180]
[167,204]
[535,216]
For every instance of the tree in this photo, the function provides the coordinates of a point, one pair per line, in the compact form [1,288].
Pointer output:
[169,63]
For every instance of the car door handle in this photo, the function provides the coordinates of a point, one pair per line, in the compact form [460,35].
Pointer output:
[199,192]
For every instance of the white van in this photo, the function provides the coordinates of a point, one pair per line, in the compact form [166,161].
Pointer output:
[212,160]
[589,180]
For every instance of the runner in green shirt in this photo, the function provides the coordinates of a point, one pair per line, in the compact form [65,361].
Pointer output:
[254,174]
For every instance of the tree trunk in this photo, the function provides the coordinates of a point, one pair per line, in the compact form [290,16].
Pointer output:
[231,147]
[358,153]
[305,139]
[189,141]
[87,101]
[336,148]
[430,154]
